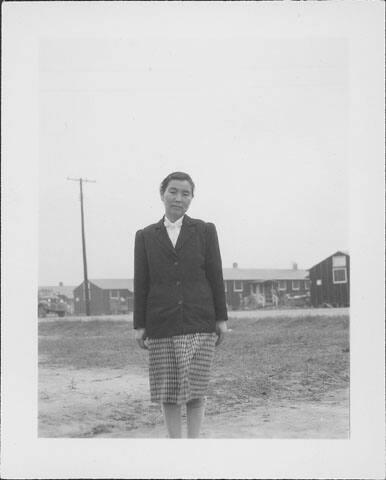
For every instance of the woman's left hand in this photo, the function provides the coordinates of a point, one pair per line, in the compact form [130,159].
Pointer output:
[140,336]
[221,329]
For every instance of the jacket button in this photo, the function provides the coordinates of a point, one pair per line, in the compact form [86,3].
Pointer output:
[175,263]
[178,283]
[180,302]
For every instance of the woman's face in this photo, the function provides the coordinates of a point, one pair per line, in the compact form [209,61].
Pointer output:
[177,198]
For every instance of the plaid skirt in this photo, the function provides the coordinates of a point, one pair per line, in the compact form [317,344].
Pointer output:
[179,367]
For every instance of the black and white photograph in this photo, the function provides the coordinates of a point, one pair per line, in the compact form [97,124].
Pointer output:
[246,145]
[194,203]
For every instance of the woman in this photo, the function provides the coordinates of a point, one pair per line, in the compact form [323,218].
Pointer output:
[179,305]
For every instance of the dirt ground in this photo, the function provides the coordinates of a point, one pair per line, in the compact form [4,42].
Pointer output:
[93,380]
[79,403]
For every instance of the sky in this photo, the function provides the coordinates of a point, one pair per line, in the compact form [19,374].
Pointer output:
[260,124]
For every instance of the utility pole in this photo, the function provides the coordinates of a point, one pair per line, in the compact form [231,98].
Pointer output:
[86,290]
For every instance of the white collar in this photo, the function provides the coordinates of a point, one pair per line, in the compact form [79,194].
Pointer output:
[169,223]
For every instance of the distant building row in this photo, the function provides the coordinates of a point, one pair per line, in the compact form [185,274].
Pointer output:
[325,284]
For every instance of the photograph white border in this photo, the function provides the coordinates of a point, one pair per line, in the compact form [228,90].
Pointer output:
[23,454]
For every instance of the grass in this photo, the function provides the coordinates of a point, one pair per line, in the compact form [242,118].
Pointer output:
[291,359]
[281,359]
[91,345]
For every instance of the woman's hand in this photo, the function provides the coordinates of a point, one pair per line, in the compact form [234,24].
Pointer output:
[140,336]
[221,329]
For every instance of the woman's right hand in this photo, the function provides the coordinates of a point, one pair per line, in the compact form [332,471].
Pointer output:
[140,336]
[221,329]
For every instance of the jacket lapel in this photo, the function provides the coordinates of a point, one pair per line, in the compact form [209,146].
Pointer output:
[163,237]
[187,229]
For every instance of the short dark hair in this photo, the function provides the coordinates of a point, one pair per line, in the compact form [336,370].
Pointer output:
[176,176]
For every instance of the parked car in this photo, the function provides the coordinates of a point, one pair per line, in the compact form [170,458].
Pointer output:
[298,300]
[52,304]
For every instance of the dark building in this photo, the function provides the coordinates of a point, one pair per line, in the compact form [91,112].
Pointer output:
[251,288]
[107,296]
[330,281]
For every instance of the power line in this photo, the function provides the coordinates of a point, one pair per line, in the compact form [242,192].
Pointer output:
[85,282]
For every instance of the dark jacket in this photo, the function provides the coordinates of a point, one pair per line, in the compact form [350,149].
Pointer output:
[178,290]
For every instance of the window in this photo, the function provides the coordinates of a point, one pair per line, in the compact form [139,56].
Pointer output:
[339,275]
[282,284]
[225,286]
[114,293]
[319,282]
[306,284]
[339,261]
[295,284]
[237,285]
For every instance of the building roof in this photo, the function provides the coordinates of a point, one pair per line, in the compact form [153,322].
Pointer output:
[338,252]
[259,274]
[66,290]
[114,283]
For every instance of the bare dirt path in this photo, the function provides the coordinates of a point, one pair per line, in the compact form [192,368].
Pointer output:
[309,420]
[110,403]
